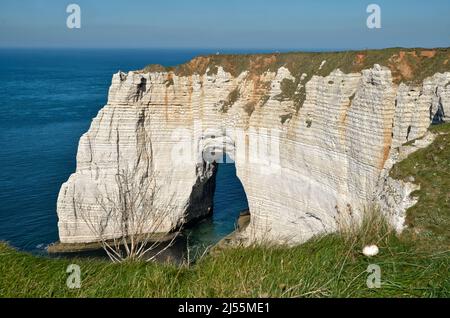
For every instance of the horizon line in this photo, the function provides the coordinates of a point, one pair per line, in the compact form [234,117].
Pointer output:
[218,50]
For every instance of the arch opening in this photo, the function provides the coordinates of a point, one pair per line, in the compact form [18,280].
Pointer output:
[230,210]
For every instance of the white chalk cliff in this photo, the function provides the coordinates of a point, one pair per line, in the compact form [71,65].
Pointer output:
[302,171]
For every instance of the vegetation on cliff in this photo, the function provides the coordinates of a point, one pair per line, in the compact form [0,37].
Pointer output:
[411,66]
[406,64]
[430,167]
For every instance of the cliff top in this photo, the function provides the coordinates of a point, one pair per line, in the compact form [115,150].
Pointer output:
[407,65]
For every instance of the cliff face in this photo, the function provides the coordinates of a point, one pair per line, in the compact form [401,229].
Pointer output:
[312,145]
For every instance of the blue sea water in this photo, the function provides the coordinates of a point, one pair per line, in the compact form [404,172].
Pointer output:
[47,101]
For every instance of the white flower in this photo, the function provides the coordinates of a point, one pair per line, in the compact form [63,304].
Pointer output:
[370,250]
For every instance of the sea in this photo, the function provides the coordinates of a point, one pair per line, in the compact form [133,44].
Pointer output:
[48,98]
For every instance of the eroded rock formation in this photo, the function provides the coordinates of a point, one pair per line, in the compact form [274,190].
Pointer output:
[310,148]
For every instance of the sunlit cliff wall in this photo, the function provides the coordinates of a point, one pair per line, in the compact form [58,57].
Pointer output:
[313,136]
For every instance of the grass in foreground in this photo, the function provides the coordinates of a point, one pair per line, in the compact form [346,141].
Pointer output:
[416,264]
[329,266]
[325,267]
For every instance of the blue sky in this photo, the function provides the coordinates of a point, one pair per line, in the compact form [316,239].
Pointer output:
[245,24]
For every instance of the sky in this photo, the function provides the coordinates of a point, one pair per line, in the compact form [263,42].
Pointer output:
[225,24]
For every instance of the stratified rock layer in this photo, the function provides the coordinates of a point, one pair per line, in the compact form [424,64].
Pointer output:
[305,166]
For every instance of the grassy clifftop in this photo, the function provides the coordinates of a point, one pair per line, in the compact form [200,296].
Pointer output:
[410,66]
[407,65]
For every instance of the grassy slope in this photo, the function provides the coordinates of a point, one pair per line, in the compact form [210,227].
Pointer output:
[329,266]
[430,167]
[415,264]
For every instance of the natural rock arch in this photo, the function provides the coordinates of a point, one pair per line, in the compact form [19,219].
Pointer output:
[214,146]
[340,160]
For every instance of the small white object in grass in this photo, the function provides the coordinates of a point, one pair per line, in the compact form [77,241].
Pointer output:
[370,250]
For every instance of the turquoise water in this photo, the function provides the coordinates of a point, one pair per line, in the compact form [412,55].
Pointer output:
[229,200]
[47,101]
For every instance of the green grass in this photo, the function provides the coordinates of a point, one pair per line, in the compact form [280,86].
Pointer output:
[328,266]
[325,267]
[430,167]
[414,264]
